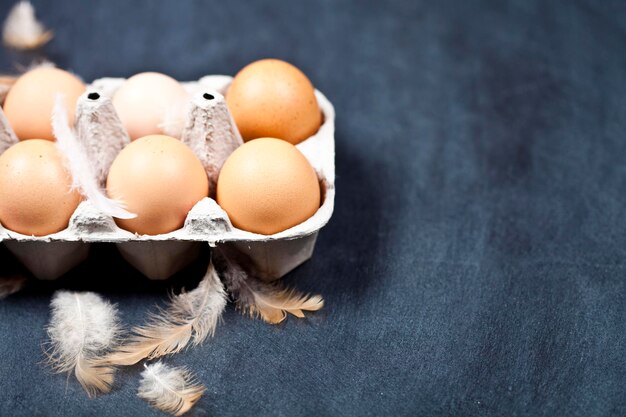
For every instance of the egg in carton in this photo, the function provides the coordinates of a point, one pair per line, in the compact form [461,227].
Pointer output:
[209,130]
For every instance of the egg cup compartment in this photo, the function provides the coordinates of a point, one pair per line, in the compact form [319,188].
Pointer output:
[159,259]
[48,260]
[208,123]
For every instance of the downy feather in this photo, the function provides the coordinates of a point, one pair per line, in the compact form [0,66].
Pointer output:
[22,30]
[83,177]
[173,390]
[271,302]
[190,317]
[83,327]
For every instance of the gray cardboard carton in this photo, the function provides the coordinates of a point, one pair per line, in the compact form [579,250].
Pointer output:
[212,135]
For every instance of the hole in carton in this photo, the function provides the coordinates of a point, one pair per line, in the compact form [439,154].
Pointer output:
[208,96]
[93,96]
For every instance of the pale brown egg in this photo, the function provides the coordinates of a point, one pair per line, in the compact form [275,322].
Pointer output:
[267,186]
[160,179]
[35,189]
[150,103]
[29,103]
[272,98]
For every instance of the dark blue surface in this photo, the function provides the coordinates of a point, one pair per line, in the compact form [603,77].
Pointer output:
[475,263]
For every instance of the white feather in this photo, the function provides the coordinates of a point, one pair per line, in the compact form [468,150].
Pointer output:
[22,30]
[172,390]
[83,327]
[83,175]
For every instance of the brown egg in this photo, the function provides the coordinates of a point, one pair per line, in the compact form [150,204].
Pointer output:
[160,179]
[148,101]
[35,194]
[267,186]
[29,103]
[272,98]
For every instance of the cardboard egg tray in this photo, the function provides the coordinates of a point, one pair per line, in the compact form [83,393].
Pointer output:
[211,133]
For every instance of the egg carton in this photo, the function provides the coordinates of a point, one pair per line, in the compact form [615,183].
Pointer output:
[211,133]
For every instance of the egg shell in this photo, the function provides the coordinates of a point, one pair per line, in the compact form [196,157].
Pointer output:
[29,103]
[35,194]
[147,102]
[158,178]
[272,98]
[267,186]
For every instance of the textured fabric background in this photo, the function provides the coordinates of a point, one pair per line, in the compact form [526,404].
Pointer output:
[475,263]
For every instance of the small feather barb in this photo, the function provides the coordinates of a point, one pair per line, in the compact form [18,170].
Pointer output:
[22,30]
[190,317]
[270,302]
[83,326]
[172,390]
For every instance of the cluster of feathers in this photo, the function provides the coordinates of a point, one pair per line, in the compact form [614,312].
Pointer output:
[86,336]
